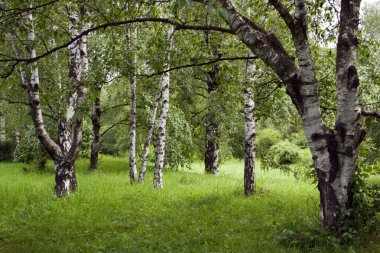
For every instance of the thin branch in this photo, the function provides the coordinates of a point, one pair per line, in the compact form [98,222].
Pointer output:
[112,126]
[114,107]
[178,26]
[199,64]
[20,10]
[11,101]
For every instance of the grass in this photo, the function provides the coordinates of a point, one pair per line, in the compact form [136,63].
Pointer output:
[193,213]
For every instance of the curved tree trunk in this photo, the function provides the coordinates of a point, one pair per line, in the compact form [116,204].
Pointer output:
[250,133]
[334,151]
[149,136]
[161,133]
[63,152]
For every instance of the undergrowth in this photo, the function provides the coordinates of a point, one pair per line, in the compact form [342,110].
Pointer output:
[194,212]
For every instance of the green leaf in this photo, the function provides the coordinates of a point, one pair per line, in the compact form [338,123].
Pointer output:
[223,12]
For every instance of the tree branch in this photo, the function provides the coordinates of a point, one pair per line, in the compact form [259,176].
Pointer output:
[370,114]
[236,58]
[112,126]
[11,101]
[178,26]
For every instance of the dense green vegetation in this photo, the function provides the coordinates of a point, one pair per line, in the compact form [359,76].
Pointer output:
[287,89]
[194,213]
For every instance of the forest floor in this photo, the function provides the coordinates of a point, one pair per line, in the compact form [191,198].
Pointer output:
[194,212]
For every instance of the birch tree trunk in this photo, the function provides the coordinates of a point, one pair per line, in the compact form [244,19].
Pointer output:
[63,152]
[95,120]
[132,125]
[334,151]
[149,136]
[250,132]
[2,129]
[211,158]
[70,128]
[161,132]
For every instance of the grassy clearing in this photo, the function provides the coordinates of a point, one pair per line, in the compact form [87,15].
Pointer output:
[194,212]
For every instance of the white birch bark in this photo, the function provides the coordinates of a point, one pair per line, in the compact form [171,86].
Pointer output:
[65,151]
[149,135]
[132,123]
[161,133]
[335,150]
[250,131]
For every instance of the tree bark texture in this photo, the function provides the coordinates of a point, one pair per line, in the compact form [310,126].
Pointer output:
[63,152]
[250,132]
[2,129]
[212,132]
[132,123]
[161,132]
[334,151]
[95,120]
[149,135]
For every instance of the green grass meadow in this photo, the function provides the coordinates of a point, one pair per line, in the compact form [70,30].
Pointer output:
[194,212]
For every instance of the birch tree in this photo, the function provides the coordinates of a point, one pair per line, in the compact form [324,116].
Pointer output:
[334,151]
[161,132]
[65,150]
[132,82]
[148,139]
[250,131]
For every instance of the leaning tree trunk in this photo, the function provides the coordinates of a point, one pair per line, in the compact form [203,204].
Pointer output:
[95,119]
[211,158]
[149,136]
[132,124]
[161,132]
[334,151]
[250,133]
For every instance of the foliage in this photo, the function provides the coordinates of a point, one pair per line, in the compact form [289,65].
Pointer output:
[6,151]
[284,153]
[179,140]
[299,139]
[266,138]
[30,150]
[366,204]
[86,139]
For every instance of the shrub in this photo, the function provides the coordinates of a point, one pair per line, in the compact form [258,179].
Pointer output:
[265,140]
[30,150]
[284,153]
[6,151]
[299,139]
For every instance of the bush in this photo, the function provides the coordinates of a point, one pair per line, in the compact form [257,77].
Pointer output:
[284,153]
[6,151]
[299,139]
[265,140]
[30,150]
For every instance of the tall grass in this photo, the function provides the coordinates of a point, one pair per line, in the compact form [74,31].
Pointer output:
[193,213]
